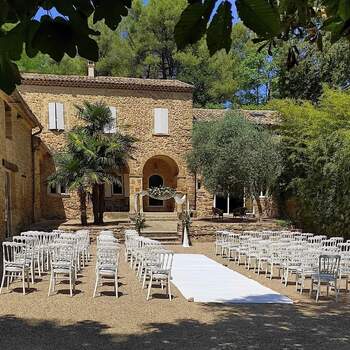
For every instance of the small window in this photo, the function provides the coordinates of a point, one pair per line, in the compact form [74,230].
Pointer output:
[161,121]
[58,189]
[56,116]
[198,184]
[8,121]
[118,186]
[111,128]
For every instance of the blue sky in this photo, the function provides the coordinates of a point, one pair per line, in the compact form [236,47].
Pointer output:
[54,12]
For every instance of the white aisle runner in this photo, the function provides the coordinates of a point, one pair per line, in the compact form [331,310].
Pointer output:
[203,279]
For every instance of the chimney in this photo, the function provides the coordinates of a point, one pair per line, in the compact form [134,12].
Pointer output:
[91,69]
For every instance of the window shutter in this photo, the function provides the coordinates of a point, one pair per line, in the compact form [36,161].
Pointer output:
[52,116]
[111,128]
[108,190]
[161,121]
[59,116]
[126,185]
[113,125]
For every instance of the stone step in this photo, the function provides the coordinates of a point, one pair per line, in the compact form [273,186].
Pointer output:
[159,216]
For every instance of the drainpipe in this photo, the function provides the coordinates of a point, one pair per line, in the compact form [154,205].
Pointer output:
[33,171]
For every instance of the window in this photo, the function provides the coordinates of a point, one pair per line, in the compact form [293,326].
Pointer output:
[8,121]
[58,189]
[161,116]
[118,186]
[111,128]
[198,184]
[56,116]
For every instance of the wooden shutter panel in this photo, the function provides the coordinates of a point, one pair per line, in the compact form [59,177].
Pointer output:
[52,116]
[59,116]
[161,121]
[108,190]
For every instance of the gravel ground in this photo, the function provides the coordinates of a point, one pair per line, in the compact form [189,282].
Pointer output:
[36,321]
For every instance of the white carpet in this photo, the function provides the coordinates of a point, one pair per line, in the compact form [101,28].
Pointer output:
[203,279]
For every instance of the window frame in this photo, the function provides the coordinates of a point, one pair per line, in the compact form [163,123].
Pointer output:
[122,187]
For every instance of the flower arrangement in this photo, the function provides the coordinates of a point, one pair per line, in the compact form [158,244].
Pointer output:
[139,221]
[161,193]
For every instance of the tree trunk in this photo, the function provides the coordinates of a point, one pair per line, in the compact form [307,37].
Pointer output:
[101,203]
[258,203]
[83,213]
[95,202]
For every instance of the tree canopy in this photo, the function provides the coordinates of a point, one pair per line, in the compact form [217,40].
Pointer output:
[315,146]
[271,21]
[233,154]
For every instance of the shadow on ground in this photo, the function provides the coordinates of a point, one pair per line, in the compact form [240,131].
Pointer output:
[237,327]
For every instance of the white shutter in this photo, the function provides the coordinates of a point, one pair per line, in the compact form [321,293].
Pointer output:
[59,116]
[52,116]
[113,125]
[108,190]
[161,121]
[126,185]
[111,128]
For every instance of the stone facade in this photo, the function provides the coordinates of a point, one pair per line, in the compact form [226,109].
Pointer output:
[157,157]
[16,167]
[162,155]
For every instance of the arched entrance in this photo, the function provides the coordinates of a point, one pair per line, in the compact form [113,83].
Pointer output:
[159,171]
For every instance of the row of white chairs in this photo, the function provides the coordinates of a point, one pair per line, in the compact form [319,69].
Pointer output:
[150,260]
[58,252]
[107,260]
[307,256]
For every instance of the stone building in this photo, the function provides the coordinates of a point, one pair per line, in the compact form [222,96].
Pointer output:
[158,113]
[17,127]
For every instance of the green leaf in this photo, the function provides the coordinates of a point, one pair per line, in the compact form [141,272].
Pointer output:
[219,31]
[193,23]
[111,11]
[9,75]
[260,16]
[88,49]
[344,9]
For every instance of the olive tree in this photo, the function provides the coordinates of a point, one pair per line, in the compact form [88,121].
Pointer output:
[234,154]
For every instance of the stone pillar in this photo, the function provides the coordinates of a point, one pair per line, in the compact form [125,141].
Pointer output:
[135,185]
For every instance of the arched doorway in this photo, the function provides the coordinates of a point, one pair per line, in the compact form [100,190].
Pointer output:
[155,181]
[159,171]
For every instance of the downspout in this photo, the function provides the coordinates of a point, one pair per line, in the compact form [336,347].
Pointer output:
[33,171]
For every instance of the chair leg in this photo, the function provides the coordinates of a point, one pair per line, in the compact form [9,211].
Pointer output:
[169,288]
[116,286]
[23,282]
[50,285]
[96,284]
[318,290]
[149,286]
[144,279]
[70,283]
[2,281]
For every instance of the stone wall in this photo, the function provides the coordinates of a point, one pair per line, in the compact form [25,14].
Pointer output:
[16,161]
[135,110]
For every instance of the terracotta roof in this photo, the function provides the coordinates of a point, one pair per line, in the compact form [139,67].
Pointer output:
[264,117]
[105,82]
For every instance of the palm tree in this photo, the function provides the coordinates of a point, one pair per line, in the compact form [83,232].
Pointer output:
[71,172]
[107,154]
[99,156]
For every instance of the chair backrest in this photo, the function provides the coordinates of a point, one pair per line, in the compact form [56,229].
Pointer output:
[62,252]
[107,256]
[329,265]
[165,259]
[12,251]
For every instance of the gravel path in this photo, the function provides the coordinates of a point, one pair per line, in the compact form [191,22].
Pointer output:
[36,321]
